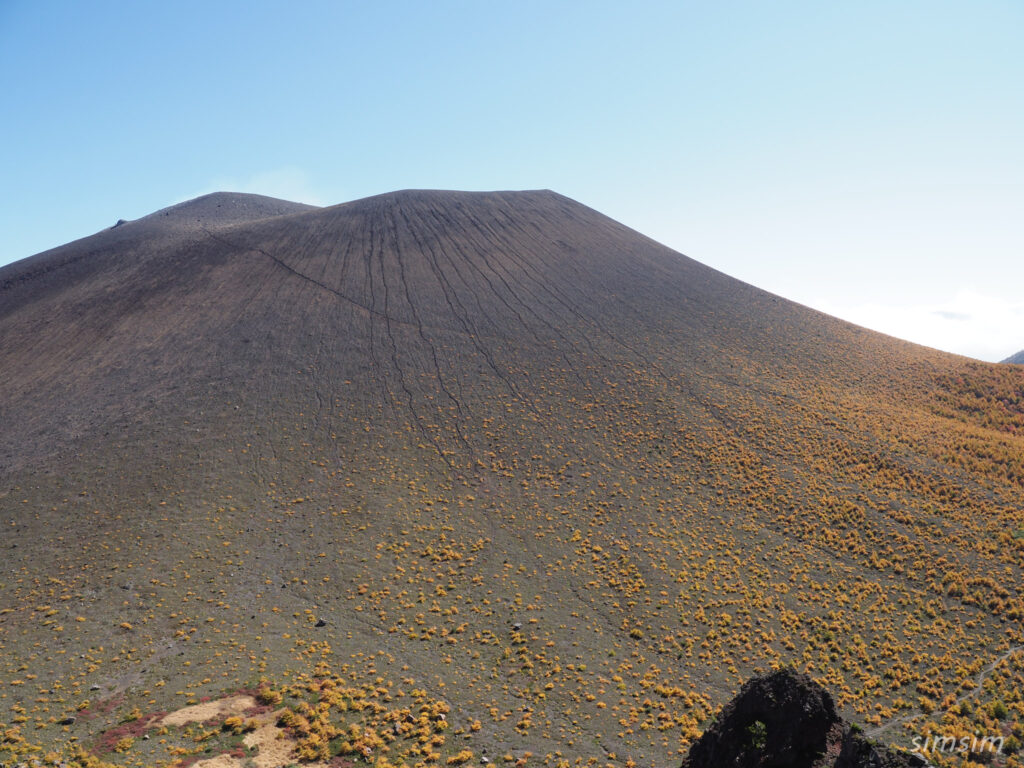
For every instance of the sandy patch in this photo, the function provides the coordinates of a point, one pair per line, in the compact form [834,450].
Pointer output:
[274,751]
[200,713]
[273,747]
[220,761]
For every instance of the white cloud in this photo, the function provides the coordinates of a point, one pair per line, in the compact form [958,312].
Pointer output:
[969,323]
[286,183]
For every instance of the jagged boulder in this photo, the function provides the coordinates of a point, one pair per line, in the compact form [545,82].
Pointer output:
[786,720]
[858,752]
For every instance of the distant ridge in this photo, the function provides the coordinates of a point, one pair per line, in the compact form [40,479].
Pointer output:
[219,208]
[1017,359]
[167,227]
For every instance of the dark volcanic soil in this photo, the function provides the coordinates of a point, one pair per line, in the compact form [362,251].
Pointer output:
[498,445]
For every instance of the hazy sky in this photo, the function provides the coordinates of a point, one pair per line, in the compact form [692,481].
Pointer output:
[865,158]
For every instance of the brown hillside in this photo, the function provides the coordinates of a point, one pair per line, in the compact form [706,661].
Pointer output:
[514,459]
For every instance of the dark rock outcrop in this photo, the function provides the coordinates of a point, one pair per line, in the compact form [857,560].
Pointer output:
[786,720]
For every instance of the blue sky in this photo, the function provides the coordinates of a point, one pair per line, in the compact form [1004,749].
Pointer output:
[865,158]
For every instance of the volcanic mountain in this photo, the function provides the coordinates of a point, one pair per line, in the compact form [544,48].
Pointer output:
[459,477]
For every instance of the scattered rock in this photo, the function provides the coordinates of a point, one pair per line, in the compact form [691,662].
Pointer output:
[67,721]
[786,720]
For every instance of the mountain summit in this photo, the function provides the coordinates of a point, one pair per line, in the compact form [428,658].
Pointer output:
[411,297]
[478,476]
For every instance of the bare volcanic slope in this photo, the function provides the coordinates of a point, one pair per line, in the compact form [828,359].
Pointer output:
[72,335]
[483,474]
